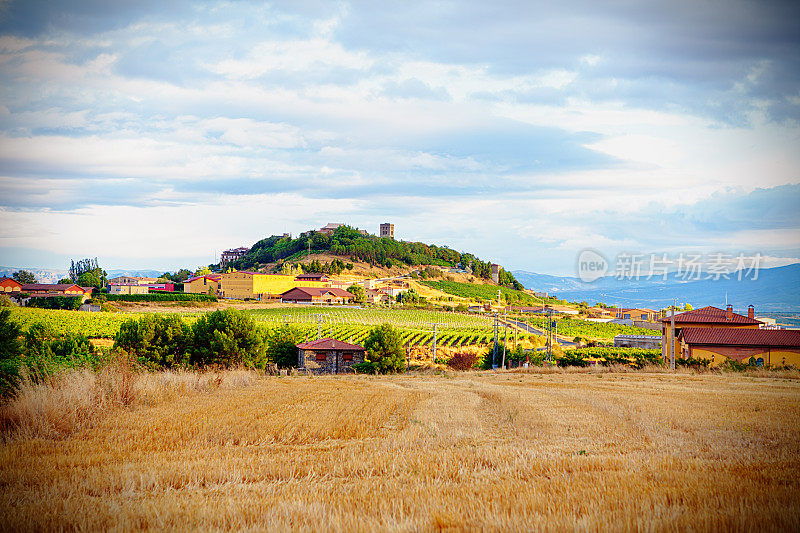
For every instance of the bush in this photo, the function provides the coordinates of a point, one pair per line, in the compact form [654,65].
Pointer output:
[463,361]
[691,362]
[730,364]
[227,338]
[10,350]
[365,368]
[385,349]
[572,359]
[71,303]
[635,357]
[157,341]
[162,297]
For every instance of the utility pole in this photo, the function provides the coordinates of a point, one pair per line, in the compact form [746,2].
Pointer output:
[319,326]
[672,338]
[494,347]
[433,350]
[505,341]
[549,315]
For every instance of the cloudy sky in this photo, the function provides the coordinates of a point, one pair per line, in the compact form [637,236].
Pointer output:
[155,134]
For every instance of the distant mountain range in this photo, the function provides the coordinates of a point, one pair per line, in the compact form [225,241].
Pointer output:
[774,290]
[50,275]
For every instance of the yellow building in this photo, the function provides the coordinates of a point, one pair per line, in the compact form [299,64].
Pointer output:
[126,288]
[761,347]
[261,286]
[208,284]
[705,317]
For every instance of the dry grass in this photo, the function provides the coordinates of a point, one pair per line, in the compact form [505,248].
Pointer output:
[552,450]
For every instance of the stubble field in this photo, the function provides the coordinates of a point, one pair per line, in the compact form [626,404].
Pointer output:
[555,451]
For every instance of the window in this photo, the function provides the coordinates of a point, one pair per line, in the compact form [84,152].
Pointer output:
[347,356]
[322,356]
[760,361]
[627,315]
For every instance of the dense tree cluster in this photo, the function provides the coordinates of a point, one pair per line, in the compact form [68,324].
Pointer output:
[349,242]
[87,273]
[24,277]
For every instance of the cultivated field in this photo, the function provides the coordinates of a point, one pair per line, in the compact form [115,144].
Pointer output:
[555,451]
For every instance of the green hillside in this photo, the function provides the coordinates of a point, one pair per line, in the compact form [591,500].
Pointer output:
[349,243]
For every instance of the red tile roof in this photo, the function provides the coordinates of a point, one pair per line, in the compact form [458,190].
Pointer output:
[319,291]
[786,338]
[710,315]
[212,277]
[329,344]
[56,287]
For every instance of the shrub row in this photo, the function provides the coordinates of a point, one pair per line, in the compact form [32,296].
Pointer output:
[636,357]
[39,352]
[222,338]
[56,302]
[162,297]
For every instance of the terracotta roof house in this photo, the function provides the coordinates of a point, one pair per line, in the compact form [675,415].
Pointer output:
[329,356]
[705,317]
[320,295]
[762,347]
[10,285]
[635,313]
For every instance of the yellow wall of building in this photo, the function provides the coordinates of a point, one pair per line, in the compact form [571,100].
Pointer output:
[665,334]
[771,357]
[241,285]
[200,286]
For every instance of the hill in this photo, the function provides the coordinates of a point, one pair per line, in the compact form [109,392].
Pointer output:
[348,243]
[774,290]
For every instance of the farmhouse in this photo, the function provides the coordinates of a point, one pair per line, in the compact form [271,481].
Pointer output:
[317,295]
[261,286]
[329,356]
[625,313]
[10,285]
[131,280]
[206,284]
[762,347]
[705,317]
[127,288]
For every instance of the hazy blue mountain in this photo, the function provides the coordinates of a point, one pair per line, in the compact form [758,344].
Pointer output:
[43,275]
[775,289]
[135,273]
[52,275]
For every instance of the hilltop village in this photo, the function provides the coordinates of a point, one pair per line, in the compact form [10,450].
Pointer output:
[341,267]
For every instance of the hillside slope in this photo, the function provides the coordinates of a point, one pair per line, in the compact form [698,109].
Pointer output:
[347,244]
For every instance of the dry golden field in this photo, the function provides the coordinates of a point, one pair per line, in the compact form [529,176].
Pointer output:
[500,451]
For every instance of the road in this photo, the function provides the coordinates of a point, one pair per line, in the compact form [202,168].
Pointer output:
[530,329]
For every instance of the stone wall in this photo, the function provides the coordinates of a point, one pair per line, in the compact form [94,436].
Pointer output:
[333,363]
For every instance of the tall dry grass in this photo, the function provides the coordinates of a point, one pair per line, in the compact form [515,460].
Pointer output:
[594,451]
[77,399]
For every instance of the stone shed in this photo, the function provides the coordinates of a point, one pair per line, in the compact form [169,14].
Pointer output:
[329,356]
